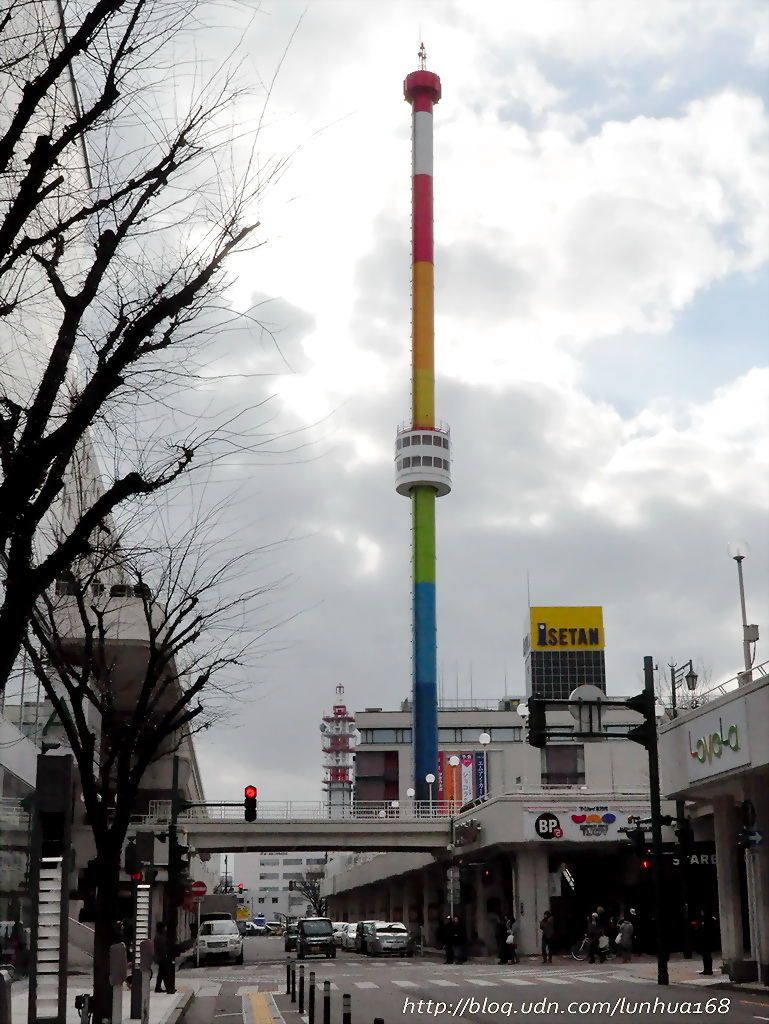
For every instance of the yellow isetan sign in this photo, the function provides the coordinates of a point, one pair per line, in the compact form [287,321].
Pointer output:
[566,628]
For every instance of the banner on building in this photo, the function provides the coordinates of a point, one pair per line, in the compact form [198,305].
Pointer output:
[584,822]
[552,629]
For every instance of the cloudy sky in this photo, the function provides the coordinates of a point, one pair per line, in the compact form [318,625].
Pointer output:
[601,226]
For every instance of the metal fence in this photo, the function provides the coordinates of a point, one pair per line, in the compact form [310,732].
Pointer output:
[307,810]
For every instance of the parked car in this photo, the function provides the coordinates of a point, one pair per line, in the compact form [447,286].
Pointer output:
[365,933]
[314,936]
[348,936]
[218,939]
[252,928]
[289,938]
[340,927]
[274,927]
[390,937]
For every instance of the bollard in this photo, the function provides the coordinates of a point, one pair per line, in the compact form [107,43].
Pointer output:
[301,989]
[83,1007]
[288,976]
[293,984]
[311,1000]
[346,1008]
[5,997]
[326,1002]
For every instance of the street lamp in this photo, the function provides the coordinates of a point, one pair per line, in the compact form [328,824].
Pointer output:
[690,678]
[676,676]
[738,549]
[484,739]
[454,762]
[430,779]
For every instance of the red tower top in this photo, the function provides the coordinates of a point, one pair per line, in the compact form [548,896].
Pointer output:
[422,88]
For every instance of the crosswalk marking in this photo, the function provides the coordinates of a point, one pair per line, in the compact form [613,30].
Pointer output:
[365,984]
[405,984]
[481,982]
[550,980]
[442,981]
[591,981]
[517,981]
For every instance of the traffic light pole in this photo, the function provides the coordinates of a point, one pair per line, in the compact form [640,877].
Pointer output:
[656,816]
[174,879]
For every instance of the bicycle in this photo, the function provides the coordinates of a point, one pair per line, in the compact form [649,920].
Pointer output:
[581,950]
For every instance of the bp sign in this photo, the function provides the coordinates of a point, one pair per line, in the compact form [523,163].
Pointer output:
[547,826]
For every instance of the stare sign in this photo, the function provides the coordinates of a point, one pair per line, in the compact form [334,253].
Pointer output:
[547,826]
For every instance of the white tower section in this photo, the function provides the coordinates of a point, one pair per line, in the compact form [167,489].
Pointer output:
[338,730]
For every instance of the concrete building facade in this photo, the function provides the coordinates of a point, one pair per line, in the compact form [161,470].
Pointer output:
[266,879]
[716,758]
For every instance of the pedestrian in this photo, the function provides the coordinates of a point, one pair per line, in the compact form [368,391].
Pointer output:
[595,935]
[624,940]
[447,937]
[460,940]
[501,934]
[706,937]
[547,927]
[163,958]
[512,940]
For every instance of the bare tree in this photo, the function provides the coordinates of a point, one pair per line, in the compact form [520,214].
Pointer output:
[686,698]
[137,650]
[309,887]
[117,219]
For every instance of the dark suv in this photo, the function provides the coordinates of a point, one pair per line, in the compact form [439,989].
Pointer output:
[315,935]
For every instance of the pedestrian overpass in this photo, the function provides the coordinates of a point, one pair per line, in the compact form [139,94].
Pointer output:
[377,827]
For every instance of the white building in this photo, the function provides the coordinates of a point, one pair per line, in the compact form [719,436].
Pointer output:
[266,879]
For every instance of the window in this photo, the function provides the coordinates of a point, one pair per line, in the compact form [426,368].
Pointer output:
[445,442]
[269,862]
[416,460]
[274,899]
[406,442]
[292,860]
[398,443]
[427,460]
[295,875]
[445,463]
[563,765]
[399,465]
[416,439]
[260,899]
[437,441]
[379,736]
[66,588]
[322,860]
[269,876]
[406,462]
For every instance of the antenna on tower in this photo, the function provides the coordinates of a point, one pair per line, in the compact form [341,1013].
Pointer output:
[422,57]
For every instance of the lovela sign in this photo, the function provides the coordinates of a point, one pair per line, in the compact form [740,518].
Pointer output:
[716,742]
[581,823]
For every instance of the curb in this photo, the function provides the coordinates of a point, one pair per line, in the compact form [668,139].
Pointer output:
[179,1009]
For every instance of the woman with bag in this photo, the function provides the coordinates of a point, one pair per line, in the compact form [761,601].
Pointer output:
[501,934]
[512,940]
[597,940]
[624,940]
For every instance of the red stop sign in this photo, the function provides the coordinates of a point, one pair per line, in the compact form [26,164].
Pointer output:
[198,888]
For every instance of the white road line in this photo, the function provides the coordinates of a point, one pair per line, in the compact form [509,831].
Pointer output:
[365,984]
[620,976]
[593,981]
[481,982]
[441,981]
[517,981]
[405,984]
[550,980]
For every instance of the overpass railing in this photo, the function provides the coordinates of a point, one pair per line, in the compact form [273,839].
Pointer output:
[305,810]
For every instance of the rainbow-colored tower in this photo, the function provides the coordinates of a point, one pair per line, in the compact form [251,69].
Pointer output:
[423,446]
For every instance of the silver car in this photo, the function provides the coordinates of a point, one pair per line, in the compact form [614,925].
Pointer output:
[390,938]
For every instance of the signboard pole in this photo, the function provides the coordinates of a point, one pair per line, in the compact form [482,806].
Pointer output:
[198,900]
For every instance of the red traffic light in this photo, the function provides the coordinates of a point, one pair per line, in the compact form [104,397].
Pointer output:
[137,877]
[645,864]
[240,887]
[250,792]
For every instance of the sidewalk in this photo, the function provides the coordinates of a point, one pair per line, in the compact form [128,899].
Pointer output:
[164,1008]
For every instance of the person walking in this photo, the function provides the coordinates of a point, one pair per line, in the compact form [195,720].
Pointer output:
[162,958]
[460,940]
[706,936]
[512,940]
[501,933]
[624,940]
[447,938]
[594,935]
[547,927]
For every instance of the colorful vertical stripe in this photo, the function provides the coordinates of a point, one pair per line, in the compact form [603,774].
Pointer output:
[422,89]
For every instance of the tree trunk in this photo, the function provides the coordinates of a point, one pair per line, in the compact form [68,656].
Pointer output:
[108,867]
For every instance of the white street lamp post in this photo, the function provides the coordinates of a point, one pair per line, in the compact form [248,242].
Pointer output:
[430,779]
[454,762]
[737,549]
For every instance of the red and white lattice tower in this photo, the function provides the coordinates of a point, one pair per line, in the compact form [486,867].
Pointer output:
[338,731]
